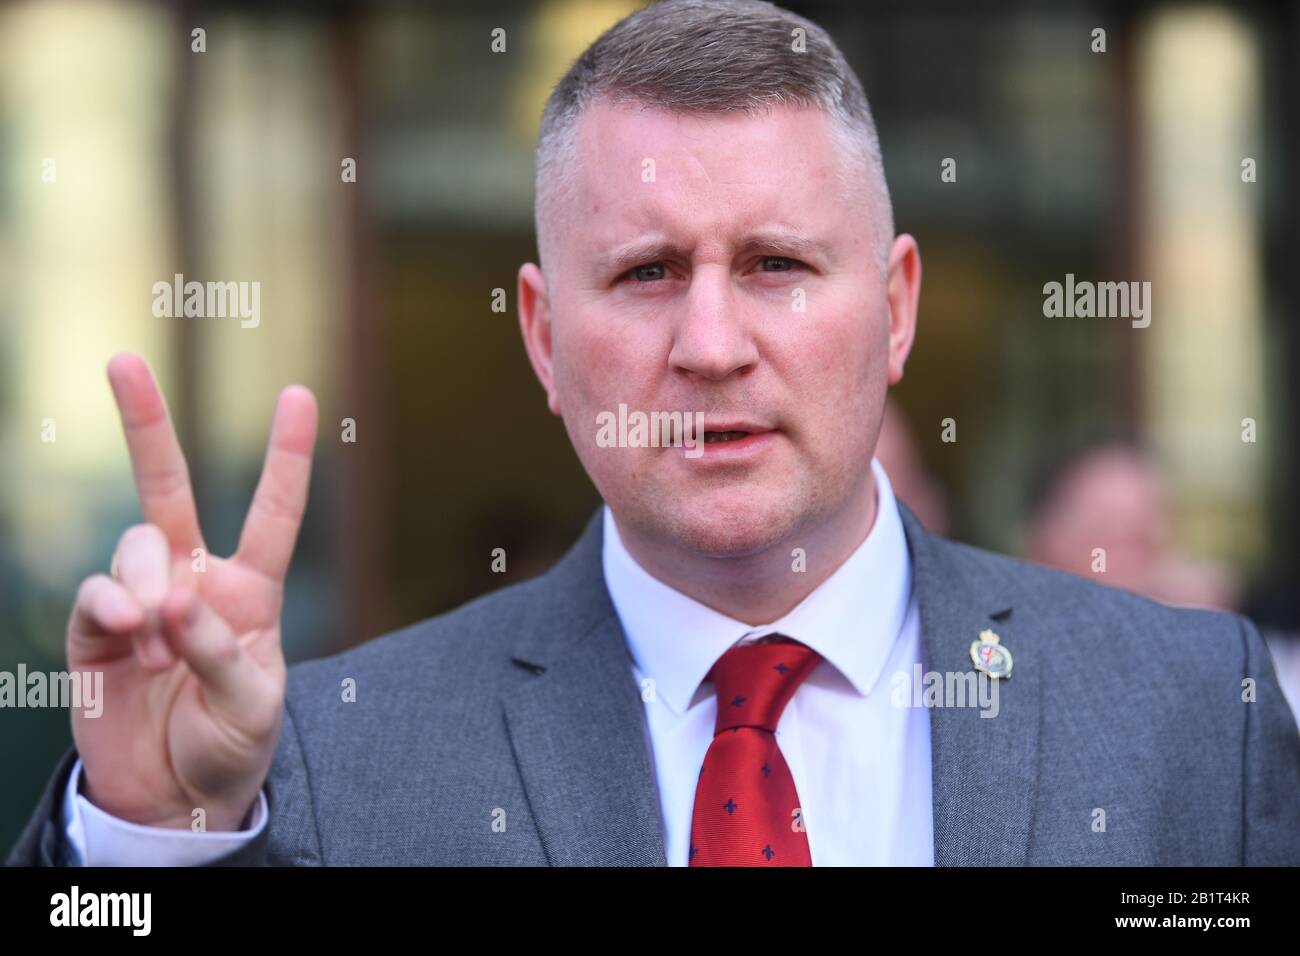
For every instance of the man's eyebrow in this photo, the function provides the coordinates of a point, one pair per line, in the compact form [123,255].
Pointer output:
[797,245]
[790,243]
[636,253]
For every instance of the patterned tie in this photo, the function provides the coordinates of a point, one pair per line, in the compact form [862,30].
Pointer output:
[746,808]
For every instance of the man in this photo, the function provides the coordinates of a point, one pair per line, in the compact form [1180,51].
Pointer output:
[711,675]
[1112,496]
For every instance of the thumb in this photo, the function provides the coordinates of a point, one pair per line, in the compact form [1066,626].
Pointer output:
[234,685]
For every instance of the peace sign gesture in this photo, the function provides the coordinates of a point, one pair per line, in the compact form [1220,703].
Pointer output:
[194,673]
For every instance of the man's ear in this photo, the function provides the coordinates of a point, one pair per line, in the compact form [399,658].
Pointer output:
[535,325]
[904,296]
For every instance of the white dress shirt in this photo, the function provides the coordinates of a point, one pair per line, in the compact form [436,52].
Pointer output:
[97,838]
[861,764]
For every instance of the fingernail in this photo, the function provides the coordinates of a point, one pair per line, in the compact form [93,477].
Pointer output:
[123,611]
[156,650]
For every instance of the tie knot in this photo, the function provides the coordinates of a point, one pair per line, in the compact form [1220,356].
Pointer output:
[754,682]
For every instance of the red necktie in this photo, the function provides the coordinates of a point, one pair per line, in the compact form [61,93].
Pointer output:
[746,807]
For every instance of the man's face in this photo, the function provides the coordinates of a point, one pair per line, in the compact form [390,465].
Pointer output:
[714,263]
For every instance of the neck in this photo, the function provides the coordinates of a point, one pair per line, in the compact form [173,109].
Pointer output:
[759,588]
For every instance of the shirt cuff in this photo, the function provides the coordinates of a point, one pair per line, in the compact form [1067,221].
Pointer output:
[96,838]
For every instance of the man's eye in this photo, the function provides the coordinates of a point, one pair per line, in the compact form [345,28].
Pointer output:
[648,272]
[777,264]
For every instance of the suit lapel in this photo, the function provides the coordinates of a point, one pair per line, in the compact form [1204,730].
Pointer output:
[577,724]
[578,732]
[984,769]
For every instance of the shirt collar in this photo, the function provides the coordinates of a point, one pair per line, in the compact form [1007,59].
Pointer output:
[851,619]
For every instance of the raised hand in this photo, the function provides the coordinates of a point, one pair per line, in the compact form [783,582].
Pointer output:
[194,673]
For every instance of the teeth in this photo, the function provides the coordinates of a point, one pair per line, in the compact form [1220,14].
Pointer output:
[711,437]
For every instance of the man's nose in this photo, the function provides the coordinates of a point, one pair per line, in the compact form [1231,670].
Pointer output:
[713,337]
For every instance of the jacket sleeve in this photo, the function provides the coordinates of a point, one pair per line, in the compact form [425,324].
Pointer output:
[1271,764]
[43,841]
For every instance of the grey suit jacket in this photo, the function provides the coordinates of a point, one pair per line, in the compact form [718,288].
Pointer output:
[511,731]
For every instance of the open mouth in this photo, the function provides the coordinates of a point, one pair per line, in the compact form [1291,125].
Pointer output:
[711,437]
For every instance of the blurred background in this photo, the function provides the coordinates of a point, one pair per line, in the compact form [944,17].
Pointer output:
[127,157]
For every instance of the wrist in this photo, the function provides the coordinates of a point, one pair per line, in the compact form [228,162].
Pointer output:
[212,819]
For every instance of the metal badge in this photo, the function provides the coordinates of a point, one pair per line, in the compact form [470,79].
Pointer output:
[990,656]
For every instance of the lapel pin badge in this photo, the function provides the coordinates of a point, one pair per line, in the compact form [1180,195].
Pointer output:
[990,656]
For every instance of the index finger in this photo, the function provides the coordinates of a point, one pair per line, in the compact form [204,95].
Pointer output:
[275,515]
[162,479]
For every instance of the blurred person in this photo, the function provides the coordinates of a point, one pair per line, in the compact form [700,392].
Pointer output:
[1113,497]
[626,707]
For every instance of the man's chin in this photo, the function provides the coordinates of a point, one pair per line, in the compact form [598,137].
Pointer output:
[731,530]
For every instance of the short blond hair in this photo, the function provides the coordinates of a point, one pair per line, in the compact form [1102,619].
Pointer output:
[710,56]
